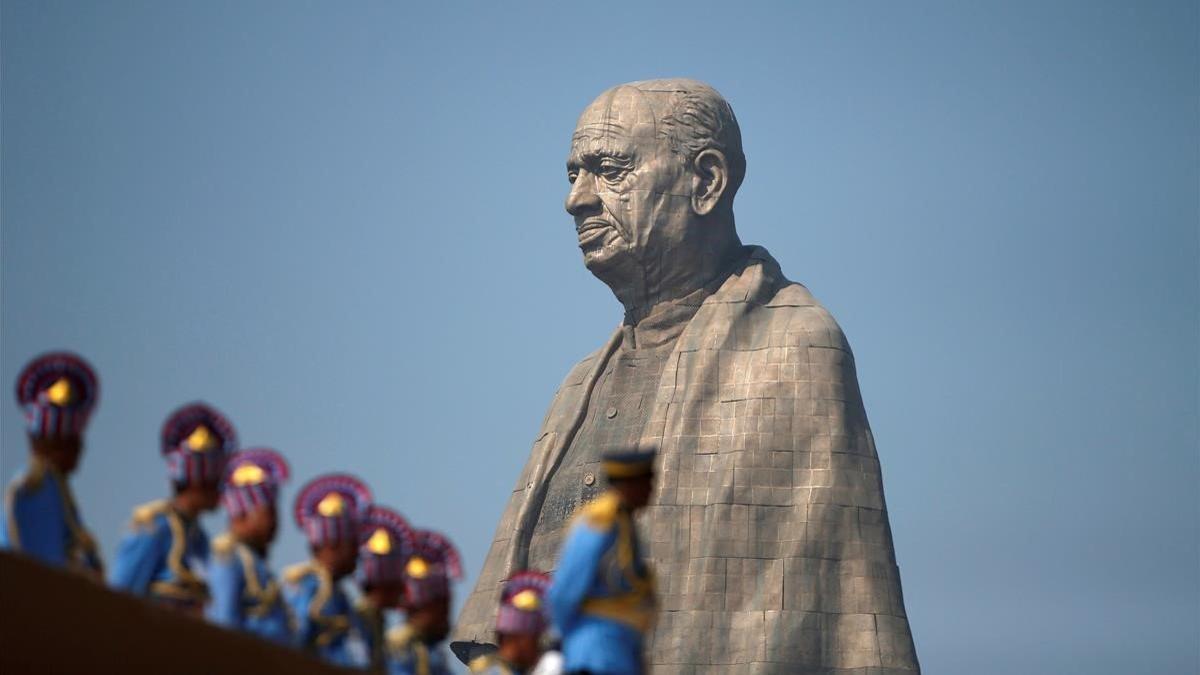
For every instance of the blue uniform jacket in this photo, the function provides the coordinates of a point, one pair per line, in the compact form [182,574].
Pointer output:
[408,655]
[42,521]
[374,623]
[602,597]
[163,558]
[323,614]
[245,595]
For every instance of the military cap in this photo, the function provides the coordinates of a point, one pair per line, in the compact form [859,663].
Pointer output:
[523,604]
[252,480]
[433,564]
[330,508]
[57,391]
[386,542]
[620,465]
[197,441]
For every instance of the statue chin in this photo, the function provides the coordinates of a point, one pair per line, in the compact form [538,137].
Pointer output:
[611,262]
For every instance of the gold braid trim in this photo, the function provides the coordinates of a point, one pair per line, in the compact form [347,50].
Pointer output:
[402,639]
[333,626]
[637,607]
[186,586]
[264,598]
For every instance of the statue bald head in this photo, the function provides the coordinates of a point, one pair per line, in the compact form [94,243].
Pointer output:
[654,167]
[692,117]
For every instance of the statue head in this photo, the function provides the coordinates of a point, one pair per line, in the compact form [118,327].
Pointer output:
[654,167]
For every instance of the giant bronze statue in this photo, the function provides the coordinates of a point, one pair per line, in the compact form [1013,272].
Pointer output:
[768,529]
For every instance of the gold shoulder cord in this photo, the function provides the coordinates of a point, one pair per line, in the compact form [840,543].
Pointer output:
[189,585]
[640,584]
[333,626]
[422,658]
[264,598]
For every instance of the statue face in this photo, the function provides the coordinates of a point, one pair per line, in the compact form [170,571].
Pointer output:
[630,194]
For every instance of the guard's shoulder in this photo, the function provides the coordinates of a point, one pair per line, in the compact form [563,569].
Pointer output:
[296,574]
[480,664]
[223,545]
[29,480]
[399,638]
[148,516]
[601,513]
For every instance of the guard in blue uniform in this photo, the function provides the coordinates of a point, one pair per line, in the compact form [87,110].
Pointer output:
[164,555]
[520,622]
[245,594]
[602,599]
[330,510]
[57,391]
[386,545]
[414,648]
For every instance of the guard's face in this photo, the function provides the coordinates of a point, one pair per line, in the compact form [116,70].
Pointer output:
[432,620]
[630,194]
[387,595]
[209,495]
[62,453]
[345,556]
[257,527]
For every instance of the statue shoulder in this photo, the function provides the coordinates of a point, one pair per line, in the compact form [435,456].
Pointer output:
[601,513]
[149,516]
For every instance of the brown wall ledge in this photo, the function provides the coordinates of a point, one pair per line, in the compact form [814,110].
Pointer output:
[53,621]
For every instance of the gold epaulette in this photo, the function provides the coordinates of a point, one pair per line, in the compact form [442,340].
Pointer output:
[400,637]
[144,515]
[224,544]
[480,664]
[295,573]
[601,512]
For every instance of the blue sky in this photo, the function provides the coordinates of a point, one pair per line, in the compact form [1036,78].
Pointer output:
[343,225]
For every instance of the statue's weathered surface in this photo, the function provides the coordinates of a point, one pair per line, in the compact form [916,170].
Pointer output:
[768,529]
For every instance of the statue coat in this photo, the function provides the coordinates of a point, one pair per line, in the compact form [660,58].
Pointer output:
[768,530]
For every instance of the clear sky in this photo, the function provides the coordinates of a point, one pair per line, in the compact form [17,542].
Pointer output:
[342,224]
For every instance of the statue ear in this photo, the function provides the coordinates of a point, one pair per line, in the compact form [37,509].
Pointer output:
[710,180]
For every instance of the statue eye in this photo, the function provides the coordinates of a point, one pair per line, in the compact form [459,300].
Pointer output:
[611,171]
[571,176]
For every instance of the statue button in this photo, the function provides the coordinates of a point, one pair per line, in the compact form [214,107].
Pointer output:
[610,413]
[588,479]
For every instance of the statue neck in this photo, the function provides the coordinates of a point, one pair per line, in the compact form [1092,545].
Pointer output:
[659,281]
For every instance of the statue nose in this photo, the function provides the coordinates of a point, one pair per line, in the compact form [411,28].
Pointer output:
[582,199]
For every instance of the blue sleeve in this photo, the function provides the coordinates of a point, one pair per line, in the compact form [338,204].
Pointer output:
[20,504]
[139,557]
[202,550]
[576,572]
[38,519]
[299,598]
[225,584]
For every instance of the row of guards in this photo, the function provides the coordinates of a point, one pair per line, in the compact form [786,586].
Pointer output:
[602,599]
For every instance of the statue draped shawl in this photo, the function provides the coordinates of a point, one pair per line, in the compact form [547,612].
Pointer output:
[768,529]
